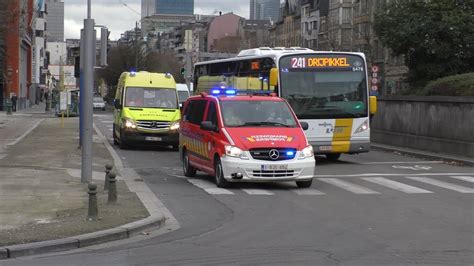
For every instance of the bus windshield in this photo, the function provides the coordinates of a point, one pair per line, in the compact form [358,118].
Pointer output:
[257,113]
[151,98]
[320,86]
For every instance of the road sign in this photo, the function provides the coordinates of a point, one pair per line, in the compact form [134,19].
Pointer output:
[375,81]
[374,75]
[374,88]
[375,68]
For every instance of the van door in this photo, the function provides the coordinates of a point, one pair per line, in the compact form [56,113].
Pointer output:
[211,136]
[193,135]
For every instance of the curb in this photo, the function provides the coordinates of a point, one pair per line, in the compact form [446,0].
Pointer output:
[80,241]
[422,154]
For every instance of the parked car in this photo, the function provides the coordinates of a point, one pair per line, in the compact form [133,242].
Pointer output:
[98,103]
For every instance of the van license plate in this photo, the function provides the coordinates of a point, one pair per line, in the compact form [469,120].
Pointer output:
[153,138]
[273,167]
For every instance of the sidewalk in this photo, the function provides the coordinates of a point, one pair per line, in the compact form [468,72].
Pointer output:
[40,188]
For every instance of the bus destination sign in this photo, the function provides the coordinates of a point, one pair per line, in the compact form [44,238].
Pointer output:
[312,62]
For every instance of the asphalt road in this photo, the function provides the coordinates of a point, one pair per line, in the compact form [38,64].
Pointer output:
[371,209]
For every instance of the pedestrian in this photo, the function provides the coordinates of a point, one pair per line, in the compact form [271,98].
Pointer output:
[14,100]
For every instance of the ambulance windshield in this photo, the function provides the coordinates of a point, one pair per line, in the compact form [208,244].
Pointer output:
[257,113]
[151,98]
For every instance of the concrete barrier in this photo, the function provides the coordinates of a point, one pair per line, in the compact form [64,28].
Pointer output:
[435,123]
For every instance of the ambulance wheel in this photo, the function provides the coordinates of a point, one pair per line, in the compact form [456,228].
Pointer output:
[114,135]
[219,173]
[333,156]
[304,184]
[122,144]
[188,169]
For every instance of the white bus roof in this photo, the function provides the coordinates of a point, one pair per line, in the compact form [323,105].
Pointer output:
[274,53]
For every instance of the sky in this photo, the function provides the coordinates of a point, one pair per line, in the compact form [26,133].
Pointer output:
[120,18]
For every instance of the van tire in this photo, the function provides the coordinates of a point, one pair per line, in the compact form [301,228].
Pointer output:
[188,169]
[122,144]
[219,175]
[333,156]
[114,135]
[304,184]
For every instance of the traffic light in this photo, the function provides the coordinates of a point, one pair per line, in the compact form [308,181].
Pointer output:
[183,71]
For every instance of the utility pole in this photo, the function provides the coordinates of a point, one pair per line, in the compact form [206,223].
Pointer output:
[87,93]
[188,42]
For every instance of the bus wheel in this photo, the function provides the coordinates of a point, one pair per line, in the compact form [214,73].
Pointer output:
[333,156]
[304,184]
[188,169]
[219,173]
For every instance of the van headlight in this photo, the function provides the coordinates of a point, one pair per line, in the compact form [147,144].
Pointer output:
[362,127]
[233,151]
[307,152]
[129,123]
[174,125]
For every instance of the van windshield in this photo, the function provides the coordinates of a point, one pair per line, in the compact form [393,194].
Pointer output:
[183,96]
[257,113]
[151,98]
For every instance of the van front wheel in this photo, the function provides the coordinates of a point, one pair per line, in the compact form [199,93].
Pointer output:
[122,144]
[304,184]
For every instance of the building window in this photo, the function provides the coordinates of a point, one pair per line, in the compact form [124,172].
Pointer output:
[346,15]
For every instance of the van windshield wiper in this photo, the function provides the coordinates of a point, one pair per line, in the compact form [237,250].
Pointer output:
[263,124]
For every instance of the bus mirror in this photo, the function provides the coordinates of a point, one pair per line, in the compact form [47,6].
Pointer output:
[274,76]
[373,105]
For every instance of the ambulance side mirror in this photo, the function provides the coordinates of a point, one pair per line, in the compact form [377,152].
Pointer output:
[117,104]
[304,125]
[208,126]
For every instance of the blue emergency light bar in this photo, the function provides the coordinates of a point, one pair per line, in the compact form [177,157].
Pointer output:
[231,92]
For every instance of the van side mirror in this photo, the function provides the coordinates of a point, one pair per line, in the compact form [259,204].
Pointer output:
[273,77]
[304,125]
[208,126]
[117,104]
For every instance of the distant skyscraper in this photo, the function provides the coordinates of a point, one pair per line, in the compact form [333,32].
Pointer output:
[265,9]
[55,20]
[175,7]
[148,8]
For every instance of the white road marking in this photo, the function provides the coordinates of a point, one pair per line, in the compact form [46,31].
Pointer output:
[348,186]
[414,168]
[307,191]
[107,121]
[254,191]
[441,184]
[209,187]
[380,174]
[464,178]
[395,185]
[421,162]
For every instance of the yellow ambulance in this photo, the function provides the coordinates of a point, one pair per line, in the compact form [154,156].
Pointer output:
[146,110]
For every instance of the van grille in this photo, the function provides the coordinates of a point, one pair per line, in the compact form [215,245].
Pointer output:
[267,154]
[273,173]
[153,124]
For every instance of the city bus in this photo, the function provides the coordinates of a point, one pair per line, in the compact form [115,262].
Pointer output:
[328,90]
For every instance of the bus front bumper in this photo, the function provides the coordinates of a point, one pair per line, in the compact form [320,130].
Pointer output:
[341,146]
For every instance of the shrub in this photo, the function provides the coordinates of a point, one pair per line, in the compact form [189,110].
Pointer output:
[456,85]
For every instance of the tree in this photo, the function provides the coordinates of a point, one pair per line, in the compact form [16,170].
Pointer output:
[435,37]
[129,57]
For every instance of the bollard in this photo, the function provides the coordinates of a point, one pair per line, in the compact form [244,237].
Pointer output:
[112,188]
[93,209]
[108,168]
[9,106]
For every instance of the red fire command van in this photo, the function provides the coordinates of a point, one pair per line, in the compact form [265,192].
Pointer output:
[244,138]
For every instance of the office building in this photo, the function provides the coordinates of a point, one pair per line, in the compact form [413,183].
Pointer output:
[55,20]
[265,10]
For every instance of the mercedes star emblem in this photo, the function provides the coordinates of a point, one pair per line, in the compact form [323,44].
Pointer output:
[274,154]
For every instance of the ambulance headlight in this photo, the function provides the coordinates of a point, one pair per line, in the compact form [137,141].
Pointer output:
[306,152]
[129,123]
[233,151]
[174,125]
[363,127]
